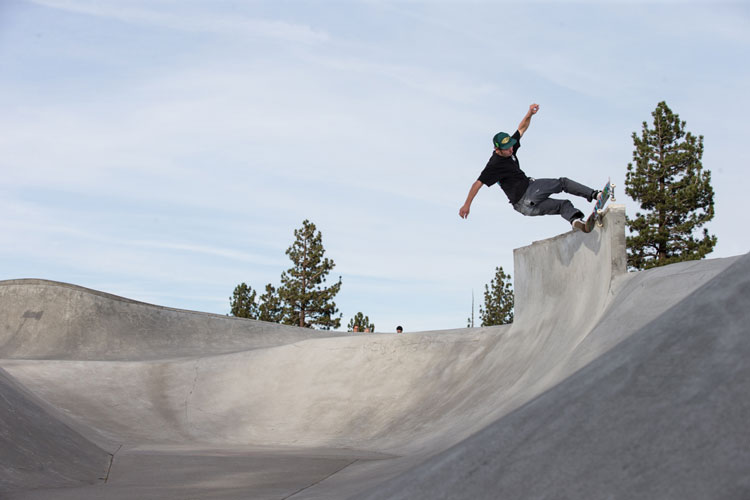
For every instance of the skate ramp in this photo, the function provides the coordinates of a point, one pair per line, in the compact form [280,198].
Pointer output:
[663,414]
[227,408]
[36,447]
[50,320]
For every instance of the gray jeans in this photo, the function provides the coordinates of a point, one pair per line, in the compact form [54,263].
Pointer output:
[536,200]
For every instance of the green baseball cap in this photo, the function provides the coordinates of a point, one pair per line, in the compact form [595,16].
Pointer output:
[503,140]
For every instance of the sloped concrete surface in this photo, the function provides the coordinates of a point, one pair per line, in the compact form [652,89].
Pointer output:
[664,414]
[49,320]
[36,447]
[608,385]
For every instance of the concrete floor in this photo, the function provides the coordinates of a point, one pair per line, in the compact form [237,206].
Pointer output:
[607,385]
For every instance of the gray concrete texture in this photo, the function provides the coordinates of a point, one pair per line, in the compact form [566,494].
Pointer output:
[608,385]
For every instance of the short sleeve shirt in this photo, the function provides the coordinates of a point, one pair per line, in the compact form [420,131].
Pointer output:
[506,172]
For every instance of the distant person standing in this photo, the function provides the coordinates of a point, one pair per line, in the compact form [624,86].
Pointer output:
[527,195]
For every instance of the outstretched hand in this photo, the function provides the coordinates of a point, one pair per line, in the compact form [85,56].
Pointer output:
[533,109]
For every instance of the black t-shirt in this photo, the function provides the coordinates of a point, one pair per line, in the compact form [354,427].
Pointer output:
[506,172]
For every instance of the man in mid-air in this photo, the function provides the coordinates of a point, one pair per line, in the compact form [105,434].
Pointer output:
[528,196]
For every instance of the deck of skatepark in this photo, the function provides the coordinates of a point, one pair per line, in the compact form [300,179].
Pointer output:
[608,384]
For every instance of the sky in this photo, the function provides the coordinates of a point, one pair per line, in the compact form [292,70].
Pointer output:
[166,150]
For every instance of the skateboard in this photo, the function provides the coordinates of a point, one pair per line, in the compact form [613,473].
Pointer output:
[608,191]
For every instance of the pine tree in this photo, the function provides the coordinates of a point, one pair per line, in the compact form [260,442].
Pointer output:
[362,323]
[307,302]
[498,300]
[243,303]
[270,308]
[673,189]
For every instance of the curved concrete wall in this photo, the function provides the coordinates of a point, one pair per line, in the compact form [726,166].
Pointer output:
[49,320]
[565,281]
[36,447]
[663,414]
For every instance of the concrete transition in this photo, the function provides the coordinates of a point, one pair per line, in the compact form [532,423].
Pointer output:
[608,385]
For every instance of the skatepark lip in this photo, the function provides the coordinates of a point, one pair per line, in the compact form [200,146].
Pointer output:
[63,321]
[162,402]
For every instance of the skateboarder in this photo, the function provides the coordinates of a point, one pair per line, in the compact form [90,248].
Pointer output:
[528,196]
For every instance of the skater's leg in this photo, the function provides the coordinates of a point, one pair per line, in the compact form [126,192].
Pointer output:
[539,189]
[553,206]
[549,206]
[577,189]
[536,200]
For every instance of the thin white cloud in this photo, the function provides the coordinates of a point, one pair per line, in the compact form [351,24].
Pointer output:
[441,83]
[176,16]
[32,220]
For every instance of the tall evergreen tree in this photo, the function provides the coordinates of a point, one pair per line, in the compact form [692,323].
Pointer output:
[674,191]
[498,300]
[243,303]
[362,322]
[270,308]
[307,302]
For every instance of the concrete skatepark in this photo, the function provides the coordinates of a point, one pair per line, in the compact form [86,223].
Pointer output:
[608,384]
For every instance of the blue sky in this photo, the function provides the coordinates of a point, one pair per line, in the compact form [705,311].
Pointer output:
[166,150]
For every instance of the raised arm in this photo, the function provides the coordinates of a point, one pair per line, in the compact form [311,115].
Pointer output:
[527,119]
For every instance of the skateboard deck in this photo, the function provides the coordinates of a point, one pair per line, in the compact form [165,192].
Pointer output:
[598,213]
